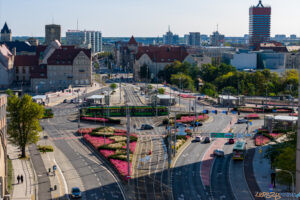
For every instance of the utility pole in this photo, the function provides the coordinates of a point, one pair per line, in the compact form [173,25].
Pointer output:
[128,137]
[195,112]
[298,148]
[120,90]
[175,124]
[78,113]
[189,107]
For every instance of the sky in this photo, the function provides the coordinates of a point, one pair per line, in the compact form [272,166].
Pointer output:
[145,18]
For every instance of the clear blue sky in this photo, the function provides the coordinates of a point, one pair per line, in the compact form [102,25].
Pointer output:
[145,17]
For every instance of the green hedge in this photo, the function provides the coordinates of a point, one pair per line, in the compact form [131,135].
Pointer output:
[48,114]
[44,149]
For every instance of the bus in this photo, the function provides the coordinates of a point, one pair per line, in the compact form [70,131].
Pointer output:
[120,111]
[239,150]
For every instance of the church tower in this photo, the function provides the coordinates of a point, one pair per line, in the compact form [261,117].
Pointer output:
[6,35]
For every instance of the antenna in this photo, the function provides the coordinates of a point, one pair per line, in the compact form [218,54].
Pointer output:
[169,29]
[260,4]
[217,27]
[77,24]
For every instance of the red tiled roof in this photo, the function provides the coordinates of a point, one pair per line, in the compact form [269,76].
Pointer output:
[26,60]
[163,53]
[132,41]
[66,55]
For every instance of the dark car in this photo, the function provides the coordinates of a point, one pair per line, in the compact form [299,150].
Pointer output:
[206,140]
[242,121]
[146,127]
[231,141]
[76,193]
[65,101]
[72,101]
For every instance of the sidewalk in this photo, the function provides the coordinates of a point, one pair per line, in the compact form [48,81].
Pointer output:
[55,178]
[25,190]
[58,97]
[42,177]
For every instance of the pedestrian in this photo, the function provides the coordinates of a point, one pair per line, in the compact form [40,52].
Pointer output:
[21,178]
[18,178]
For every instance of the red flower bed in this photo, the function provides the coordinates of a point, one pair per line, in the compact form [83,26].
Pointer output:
[246,109]
[122,167]
[120,131]
[107,153]
[97,119]
[283,110]
[252,116]
[293,114]
[186,96]
[85,130]
[261,140]
[187,119]
[132,146]
[97,141]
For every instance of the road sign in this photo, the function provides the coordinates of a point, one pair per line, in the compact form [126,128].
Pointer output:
[248,134]
[221,135]
[260,150]
[250,123]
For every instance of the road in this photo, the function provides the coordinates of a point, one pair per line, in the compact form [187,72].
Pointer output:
[186,178]
[88,171]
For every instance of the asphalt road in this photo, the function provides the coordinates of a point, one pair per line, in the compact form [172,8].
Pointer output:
[98,182]
[186,180]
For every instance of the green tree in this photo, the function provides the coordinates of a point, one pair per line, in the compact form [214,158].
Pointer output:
[23,126]
[209,89]
[113,86]
[185,80]
[161,91]
[144,72]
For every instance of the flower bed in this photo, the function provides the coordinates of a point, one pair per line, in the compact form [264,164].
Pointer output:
[114,149]
[261,140]
[85,131]
[252,116]
[187,96]
[188,119]
[293,114]
[97,141]
[96,119]
[262,110]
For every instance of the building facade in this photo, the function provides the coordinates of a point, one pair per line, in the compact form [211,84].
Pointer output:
[194,39]
[3,151]
[170,39]
[156,58]
[85,39]
[216,39]
[6,35]
[244,60]
[259,25]
[52,33]
[6,67]
[125,54]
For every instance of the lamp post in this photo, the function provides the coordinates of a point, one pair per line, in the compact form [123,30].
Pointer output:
[287,171]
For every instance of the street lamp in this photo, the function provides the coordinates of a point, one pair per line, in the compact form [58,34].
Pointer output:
[282,170]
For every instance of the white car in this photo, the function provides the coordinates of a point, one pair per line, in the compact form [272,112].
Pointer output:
[218,152]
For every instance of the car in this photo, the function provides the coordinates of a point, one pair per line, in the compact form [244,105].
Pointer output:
[241,121]
[218,152]
[76,193]
[65,101]
[198,139]
[206,140]
[72,101]
[231,141]
[146,127]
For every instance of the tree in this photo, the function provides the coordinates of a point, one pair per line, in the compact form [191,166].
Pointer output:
[144,72]
[24,126]
[185,80]
[209,89]
[113,86]
[161,91]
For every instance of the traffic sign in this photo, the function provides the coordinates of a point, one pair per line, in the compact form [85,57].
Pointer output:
[250,123]
[248,134]
[221,135]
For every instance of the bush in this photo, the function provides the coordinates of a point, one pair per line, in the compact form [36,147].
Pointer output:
[48,114]
[45,148]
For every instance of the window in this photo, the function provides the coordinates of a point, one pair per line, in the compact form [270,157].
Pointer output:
[17,70]
[24,70]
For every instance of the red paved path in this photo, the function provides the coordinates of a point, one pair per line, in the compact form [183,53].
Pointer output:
[208,158]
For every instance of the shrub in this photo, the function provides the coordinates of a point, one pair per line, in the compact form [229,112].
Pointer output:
[45,148]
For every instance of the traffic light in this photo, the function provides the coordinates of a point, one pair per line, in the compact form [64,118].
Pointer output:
[239,113]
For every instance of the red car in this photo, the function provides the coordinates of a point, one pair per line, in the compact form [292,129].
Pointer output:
[231,141]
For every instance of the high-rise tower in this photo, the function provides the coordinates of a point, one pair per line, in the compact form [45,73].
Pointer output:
[259,24]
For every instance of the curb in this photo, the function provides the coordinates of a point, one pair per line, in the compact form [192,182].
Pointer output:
[36,188]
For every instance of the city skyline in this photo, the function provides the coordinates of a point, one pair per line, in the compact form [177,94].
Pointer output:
[145,18]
